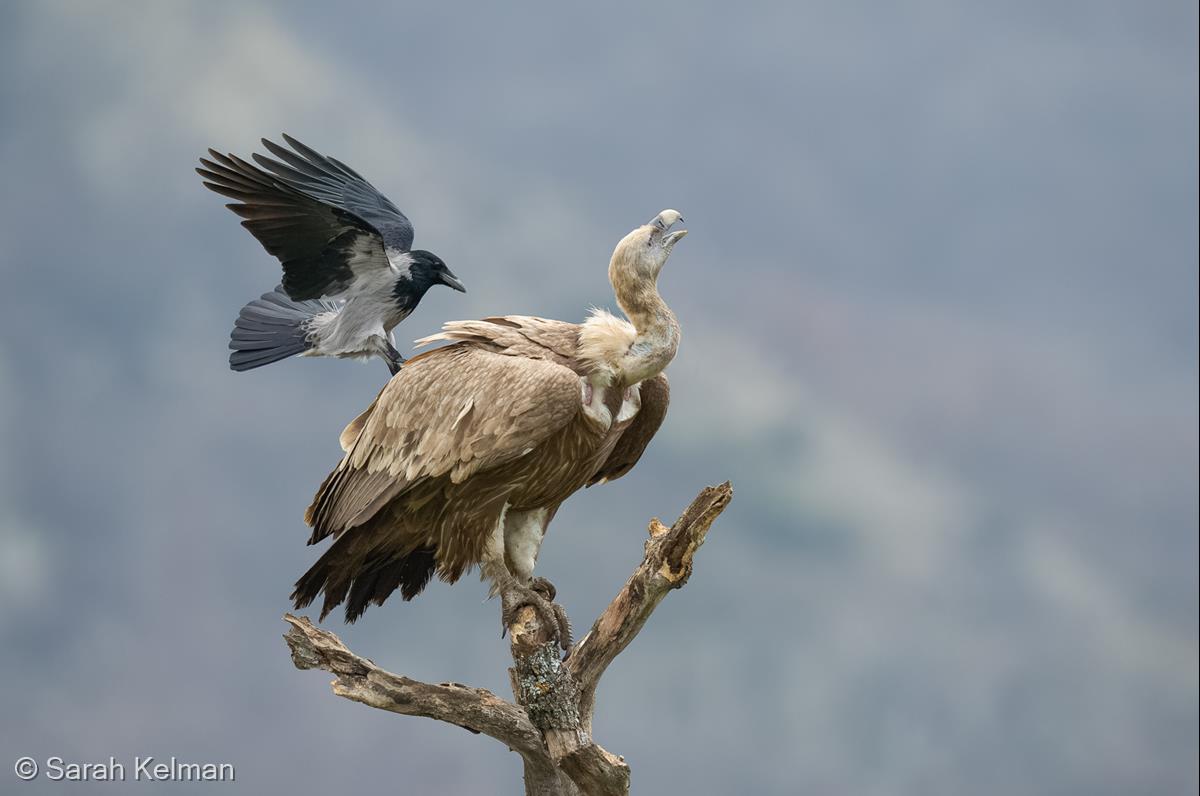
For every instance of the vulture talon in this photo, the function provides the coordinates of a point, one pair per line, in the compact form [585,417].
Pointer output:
[516,596]
[544,588]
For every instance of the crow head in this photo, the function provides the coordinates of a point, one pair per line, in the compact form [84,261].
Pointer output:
[427,270]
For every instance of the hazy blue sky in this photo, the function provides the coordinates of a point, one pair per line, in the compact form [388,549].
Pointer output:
[940,330]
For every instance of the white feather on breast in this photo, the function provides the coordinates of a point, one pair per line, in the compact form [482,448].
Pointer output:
[631,404]
[362,327]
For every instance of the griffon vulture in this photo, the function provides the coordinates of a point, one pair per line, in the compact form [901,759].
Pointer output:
[467,452]
[349,271]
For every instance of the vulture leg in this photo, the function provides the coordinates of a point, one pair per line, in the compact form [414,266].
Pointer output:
[538,594]
[509,559]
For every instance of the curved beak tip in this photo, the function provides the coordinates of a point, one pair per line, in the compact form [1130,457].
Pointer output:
[451,281]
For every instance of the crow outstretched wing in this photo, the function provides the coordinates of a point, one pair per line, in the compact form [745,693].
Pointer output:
[328,226]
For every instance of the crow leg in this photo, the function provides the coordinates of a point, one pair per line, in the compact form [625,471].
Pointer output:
[393,359]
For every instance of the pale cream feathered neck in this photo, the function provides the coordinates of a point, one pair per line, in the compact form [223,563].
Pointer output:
[628,351]
[620,351]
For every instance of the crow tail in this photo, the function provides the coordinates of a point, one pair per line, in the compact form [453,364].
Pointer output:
[272,328]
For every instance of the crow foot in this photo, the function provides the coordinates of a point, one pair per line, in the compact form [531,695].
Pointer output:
[393,359]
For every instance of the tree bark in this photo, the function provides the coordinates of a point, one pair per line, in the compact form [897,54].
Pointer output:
[550,726]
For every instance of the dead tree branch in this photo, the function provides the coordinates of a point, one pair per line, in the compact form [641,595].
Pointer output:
[550,725]
[667,565]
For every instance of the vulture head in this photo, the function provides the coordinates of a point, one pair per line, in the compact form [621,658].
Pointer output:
[641,254]
[645,345]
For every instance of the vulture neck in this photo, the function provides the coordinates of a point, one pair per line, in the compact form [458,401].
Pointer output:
[657,336]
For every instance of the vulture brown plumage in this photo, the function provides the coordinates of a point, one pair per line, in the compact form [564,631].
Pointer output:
[467,452]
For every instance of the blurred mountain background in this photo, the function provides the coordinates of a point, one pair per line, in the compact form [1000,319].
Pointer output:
[940,330]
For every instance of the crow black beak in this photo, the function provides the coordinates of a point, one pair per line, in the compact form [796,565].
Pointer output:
[450,280]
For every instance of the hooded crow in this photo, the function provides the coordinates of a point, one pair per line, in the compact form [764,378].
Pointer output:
[350,273]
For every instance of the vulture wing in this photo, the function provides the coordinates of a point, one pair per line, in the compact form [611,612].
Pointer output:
[447,414]
[324,222]
[655,394]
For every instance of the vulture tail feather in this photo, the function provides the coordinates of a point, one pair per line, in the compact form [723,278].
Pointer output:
[337,575]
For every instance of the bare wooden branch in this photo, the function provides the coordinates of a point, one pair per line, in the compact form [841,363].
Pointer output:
[550,726]
[358,679]
[667,565]
[545,687]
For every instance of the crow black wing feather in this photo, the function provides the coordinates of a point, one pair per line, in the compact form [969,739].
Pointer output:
[336,184]
[325,223]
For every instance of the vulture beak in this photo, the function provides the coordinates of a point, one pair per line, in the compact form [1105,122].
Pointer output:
[666,219]
[662,223]
[450,280]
